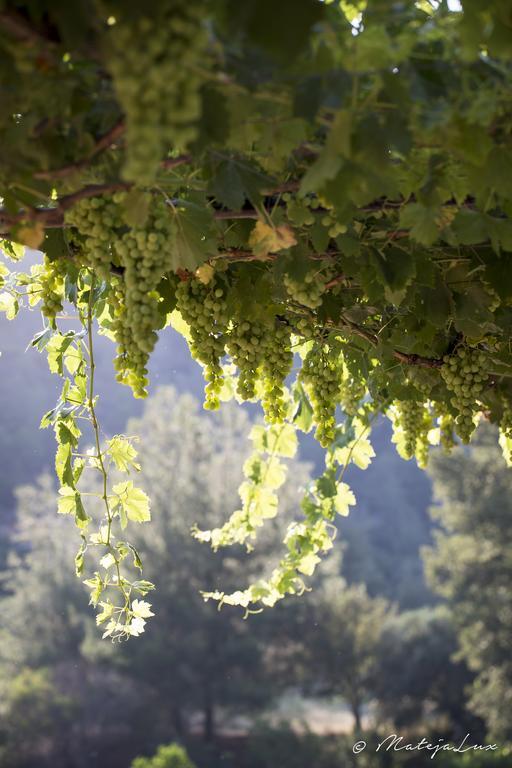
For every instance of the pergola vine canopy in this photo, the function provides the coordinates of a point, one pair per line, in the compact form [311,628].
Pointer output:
[326,180]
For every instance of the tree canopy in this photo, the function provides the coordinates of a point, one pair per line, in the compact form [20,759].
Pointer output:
[470,566]
[318,182]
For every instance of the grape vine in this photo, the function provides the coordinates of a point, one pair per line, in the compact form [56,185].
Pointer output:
[325,217]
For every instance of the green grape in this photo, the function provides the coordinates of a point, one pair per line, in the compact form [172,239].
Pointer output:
[321,374]
[446,426]
[506,419]
[246,347]
[416,421]
[333,226]
[204,308]
[141,255]
[304,326]
[97,219]
[297,210]
[309,290]
[465,375]
[167,46]
[143,252]
[352,391]
[52,288]
[276,366]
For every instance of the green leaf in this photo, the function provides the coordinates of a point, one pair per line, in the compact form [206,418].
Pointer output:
[80,557]
[122,453]
[396,270]
[469,227]
[421,221]
[236,181]
[192,235]
[63,466]
[303,415]
[279,439]
[132,502]
[70,503]
[56,348]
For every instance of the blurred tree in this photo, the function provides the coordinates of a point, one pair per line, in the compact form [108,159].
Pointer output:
[34,716]
[167,756]
[416,680]
[194,658]
[341,633]
[197,658]
[470,565]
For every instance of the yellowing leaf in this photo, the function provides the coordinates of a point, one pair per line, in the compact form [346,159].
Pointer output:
[204,273]
[179,325]
[308,564]
[506,447]
[9,305]
[107,561]
[142,609]
[136,626]
[265,239]
[31,235]
[106,612]
[344,499]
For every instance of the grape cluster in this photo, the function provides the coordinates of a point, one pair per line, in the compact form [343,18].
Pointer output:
[262,352]
[465,375]
[97,219]
[276,366]
[415,420]
[506,419]
[352,391]
[143,253]
[167,44]
[321,374]
[298,209]
[309,290]
[304,326]
[334,227]
[246,347]
[447,436]
[52,288]
[140,256]
[204,308]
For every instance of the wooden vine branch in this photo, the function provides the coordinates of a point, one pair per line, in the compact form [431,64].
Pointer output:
[403,357]
[19,28]
[419,360]
[104,142]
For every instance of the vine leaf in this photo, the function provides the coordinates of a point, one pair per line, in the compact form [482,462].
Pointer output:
[344,499]
[123,453]
[280,440]
[142,609]
[9,305]
[422,221]
[63,466]
[132,503]
[265,239]
[70,503]
[193,241]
